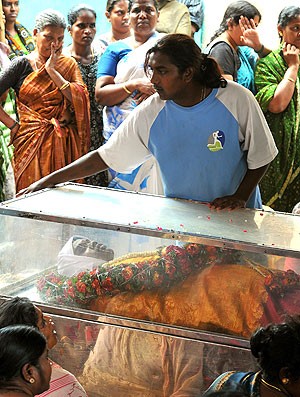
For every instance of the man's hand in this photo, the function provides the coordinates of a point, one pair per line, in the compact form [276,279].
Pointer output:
[228,202]
[34,187]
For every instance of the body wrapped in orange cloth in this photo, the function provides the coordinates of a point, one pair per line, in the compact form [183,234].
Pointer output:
[195,286]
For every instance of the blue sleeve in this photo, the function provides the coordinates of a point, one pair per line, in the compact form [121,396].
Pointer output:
[109,60]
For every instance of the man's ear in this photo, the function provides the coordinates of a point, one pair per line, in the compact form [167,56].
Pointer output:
[34,32]
[188,74]
[107,14]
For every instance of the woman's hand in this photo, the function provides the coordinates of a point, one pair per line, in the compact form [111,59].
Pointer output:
[56,51]
[250,35]
[145,89]
[291,55]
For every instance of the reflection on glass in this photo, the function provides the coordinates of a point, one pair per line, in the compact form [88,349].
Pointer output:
[164,281]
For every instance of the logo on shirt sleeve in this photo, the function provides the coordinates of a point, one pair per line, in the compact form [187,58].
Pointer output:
[216,141]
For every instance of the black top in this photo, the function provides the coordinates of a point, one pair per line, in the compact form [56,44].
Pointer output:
[15,74]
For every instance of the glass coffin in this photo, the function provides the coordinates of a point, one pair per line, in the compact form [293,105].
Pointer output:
[157,259]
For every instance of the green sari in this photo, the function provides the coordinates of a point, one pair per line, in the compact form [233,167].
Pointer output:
[6,152]
[280,187]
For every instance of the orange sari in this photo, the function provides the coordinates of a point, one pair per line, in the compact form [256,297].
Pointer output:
[43,145]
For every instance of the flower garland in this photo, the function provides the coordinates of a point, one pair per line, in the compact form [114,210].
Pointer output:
[134,272]
[279,282]
[153,270]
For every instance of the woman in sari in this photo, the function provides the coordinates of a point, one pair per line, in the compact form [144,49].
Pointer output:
[277,79]
[20,42]
[277,352]
[122,85]
[53,104]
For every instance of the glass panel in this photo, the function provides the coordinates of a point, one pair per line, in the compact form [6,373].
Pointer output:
[112,361]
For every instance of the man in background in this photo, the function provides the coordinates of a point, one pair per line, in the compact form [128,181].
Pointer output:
[174,17]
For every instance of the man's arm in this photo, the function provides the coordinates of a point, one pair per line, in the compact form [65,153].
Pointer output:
[87,165]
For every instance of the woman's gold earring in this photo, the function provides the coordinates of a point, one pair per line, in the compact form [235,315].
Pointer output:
[31,380]
[285,381]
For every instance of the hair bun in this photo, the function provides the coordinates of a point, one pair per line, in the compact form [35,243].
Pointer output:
[260,341]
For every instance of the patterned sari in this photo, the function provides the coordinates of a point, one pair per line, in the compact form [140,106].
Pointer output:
[280,187]
[42,144]
[22,44]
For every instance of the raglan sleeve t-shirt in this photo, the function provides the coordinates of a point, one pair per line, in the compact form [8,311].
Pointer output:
[203,151]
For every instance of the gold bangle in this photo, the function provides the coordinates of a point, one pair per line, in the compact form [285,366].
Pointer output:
[64,86]
[126,89]
[290,79]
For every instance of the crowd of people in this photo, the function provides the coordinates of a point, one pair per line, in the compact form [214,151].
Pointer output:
[143,108]
[62,104]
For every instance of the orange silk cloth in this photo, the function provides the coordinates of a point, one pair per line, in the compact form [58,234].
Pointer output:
[224,298]
[43,145]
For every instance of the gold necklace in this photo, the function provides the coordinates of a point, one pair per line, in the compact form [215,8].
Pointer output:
[270,386]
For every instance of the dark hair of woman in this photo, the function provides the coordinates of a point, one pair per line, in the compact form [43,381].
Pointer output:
[110,5]
[277,346]
[19,345]
[288,14]
[233,12]
[131,2]
[75,11]
[18,311]
[184,53]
